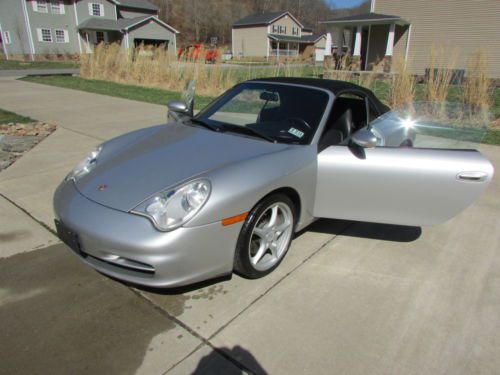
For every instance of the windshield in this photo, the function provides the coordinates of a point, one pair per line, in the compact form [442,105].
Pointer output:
[282,113]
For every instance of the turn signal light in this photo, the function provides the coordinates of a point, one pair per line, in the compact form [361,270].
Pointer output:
[234,219]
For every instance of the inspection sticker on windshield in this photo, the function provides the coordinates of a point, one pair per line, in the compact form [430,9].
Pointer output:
[296,132]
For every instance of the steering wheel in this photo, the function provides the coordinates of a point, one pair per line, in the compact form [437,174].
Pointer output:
[299,121]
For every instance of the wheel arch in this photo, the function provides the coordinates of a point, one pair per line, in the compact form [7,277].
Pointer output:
[290,193]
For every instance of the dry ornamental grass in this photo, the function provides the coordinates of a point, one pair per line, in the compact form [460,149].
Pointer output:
[158,67]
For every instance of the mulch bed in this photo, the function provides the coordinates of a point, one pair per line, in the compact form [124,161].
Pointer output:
[16,139]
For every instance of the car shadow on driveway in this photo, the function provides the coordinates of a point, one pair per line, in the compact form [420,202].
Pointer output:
[361,229]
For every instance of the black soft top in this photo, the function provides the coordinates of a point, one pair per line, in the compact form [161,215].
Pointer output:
[334,86]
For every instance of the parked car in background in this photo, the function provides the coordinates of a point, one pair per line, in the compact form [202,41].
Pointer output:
[227,189]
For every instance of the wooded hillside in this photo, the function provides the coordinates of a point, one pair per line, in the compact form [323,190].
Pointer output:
[198,20]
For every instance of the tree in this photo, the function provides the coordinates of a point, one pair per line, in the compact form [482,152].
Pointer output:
[198,20]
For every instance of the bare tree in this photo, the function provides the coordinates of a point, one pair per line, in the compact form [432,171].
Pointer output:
[198,20]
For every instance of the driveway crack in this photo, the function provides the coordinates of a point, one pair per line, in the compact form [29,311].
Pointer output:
[205,341]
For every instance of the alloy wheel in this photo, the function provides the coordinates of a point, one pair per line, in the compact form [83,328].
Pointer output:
[271,236]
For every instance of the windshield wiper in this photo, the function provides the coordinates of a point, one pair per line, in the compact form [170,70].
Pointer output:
[250,131]
[205,124]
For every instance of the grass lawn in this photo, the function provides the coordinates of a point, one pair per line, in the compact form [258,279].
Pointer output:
[13,64]
[162,97]
[119,90]
[6,117]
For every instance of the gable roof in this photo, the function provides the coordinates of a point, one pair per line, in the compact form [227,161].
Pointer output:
[264,19]
[139,4]
[122,24]
[142,19]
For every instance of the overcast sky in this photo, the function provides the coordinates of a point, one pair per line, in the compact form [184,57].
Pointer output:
[345,3]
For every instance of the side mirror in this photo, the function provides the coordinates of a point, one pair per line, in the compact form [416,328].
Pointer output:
[178,111]
[178,107]
[364,138]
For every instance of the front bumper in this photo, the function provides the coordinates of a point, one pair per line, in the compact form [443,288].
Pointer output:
[128,247]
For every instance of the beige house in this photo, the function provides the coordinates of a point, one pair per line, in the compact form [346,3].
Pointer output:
[410,28]
[272,34]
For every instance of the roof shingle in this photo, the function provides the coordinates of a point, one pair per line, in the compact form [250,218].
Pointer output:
[259,19]
[110,25]
[366,17]
[140,4]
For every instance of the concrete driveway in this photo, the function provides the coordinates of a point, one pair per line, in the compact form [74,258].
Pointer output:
[38,72]
[350,298]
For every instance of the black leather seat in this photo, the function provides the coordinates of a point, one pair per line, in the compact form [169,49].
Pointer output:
[337,132]
[344,124]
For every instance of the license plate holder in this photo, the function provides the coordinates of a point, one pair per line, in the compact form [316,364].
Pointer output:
[67,236]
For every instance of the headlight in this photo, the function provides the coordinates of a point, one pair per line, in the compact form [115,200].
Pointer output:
[86,165]
[172,208]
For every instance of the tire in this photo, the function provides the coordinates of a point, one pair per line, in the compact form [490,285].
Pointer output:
[262,244]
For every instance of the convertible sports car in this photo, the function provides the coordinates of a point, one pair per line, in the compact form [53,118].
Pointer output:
[225,190]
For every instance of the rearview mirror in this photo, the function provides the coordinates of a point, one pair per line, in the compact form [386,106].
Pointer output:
[364,138]
[269,96]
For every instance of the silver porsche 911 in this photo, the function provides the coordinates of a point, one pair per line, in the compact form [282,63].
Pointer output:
[225,190]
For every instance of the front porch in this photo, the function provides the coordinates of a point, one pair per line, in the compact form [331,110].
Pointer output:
[283,45]
[283,49]
[371,39]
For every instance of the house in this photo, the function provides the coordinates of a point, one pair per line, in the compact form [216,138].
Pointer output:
[409,28]
[54,27]
[272,34]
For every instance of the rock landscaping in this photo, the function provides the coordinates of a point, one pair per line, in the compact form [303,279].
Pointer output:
[17,138]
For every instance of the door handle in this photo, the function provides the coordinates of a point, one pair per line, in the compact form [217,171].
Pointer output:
[472,176]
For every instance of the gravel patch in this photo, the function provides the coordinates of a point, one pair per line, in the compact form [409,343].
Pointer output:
[16,139]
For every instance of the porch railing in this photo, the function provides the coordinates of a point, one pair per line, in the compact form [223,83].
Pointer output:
[284,52]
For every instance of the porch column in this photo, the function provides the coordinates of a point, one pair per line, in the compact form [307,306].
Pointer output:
[357,42]
[390,40]
[389,49]
[4,45]
[356,56]
[125,36]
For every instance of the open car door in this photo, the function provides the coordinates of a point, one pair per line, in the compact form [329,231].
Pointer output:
[393,185]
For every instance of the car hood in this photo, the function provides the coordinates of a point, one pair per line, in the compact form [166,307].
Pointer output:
[138,165]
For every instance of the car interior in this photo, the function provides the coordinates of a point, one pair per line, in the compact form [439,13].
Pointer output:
[348,114]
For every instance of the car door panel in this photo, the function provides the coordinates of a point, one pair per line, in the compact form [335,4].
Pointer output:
[406,186]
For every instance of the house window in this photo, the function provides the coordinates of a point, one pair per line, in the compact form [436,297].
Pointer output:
[100,37]
[275,29]
[61,36]
[96,9]
[57,7]
[44,35]
[282,29]
[6,37]
[40,6]
[295,31]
